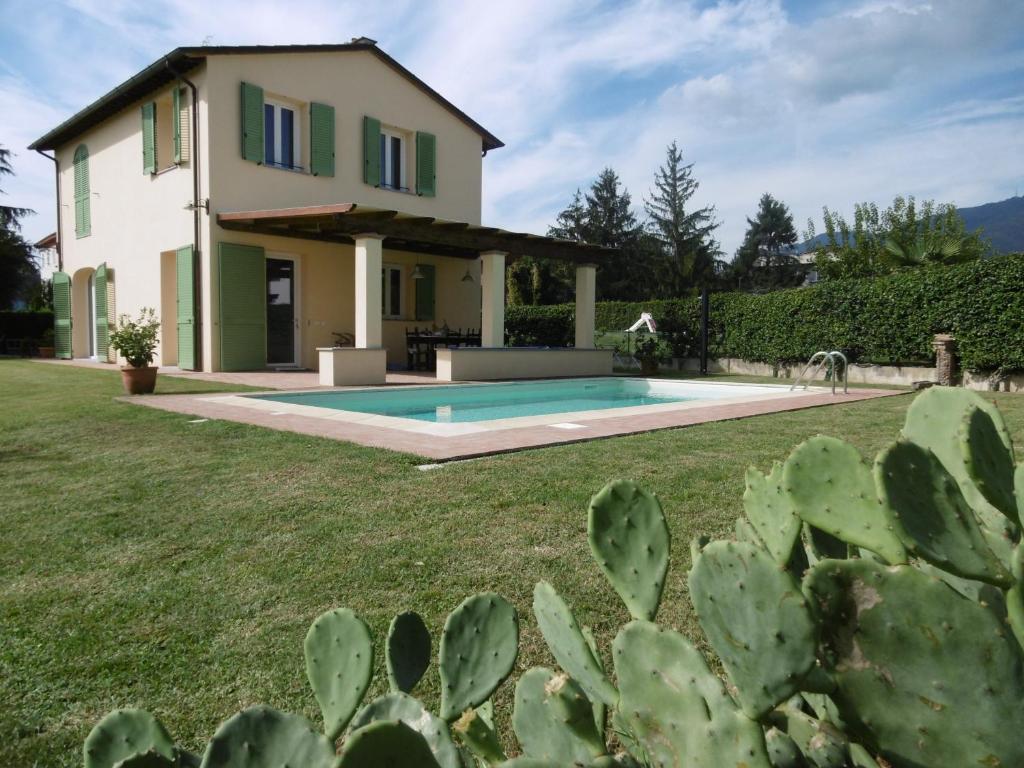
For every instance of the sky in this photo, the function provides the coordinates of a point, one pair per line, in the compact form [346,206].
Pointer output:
[823,103]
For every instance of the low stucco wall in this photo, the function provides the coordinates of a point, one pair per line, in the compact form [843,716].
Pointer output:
[348,366]
[487,363]
[900,375]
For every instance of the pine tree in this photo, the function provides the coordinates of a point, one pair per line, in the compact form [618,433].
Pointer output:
[765,259]
[685,239]
[19,276]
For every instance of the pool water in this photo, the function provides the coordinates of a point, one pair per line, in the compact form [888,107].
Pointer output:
[487,402]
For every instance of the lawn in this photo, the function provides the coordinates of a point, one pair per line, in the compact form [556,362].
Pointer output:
[148,561]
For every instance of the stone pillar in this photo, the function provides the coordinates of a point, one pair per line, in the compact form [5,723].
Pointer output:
[492,284]
[945,359]
[586,296]
[369,303]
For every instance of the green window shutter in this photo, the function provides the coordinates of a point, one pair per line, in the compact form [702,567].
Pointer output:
[426,164]
[100,304]
[243,307]
[321,139]
[371,151]
[426,290]
[176,121]
[62,314]
[83,225]
[149,137]
[252,122]
[185,265]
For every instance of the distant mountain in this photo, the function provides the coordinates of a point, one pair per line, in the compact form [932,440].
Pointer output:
[1002,222]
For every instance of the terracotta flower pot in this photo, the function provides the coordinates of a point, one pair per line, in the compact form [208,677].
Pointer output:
[648,367]
[47,352]
[139,381]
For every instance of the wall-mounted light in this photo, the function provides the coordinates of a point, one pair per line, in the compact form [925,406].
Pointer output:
[417,273]
[192,205]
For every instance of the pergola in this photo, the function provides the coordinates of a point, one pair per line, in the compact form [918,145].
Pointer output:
[371,230]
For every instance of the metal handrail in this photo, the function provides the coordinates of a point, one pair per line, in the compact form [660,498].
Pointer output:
[826,358]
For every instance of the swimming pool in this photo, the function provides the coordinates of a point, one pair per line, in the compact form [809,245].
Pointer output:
[474,403]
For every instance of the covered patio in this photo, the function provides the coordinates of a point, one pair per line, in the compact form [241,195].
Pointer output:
[373,231]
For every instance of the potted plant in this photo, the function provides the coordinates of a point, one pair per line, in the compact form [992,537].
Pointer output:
[45,346]
[136,341]
[648,354]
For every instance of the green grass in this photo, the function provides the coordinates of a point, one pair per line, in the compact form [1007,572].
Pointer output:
[146,561]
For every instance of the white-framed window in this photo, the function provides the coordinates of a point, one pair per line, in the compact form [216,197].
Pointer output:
[282,135]
[392,291]
[392,159]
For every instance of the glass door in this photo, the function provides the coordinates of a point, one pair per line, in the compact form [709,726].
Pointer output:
[282,322]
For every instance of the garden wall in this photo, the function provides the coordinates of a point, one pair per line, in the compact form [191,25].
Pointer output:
[886,321]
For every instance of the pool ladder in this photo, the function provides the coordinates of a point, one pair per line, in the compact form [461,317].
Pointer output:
[818,361]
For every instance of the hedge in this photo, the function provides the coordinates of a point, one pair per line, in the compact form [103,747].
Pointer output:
[24,325]
[885,320]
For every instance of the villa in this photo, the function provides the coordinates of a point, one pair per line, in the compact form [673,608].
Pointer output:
[269,200]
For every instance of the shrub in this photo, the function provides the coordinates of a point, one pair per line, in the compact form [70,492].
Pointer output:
[863,617]
[24,325]
[885,320]
[136,339]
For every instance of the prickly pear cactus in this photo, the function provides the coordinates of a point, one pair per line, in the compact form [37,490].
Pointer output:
[930,515]
[988,458]
[339,664]
[261,737]
[386,744]
[473,730]
[401,706]
[479,645]
[757,620]
[408,651]
[568,645]
[552,718]
[782,750]
[125,733]
[821,744]
[923,675]
[630,541]
[771,512]
[149,759]
[832,488]
[676,708]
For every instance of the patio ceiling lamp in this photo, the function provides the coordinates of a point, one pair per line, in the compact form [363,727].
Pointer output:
[467,278]
[417,273]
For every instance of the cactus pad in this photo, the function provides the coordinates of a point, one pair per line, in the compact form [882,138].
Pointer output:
[930,514]
[479,645]
[125,733]
[756,619]
[261,737]
[771,513]
[386,744]
[401,706]
[553,720]
[988,459]
[600,710]
[479,735]
[831,488]
[675,706]
[821,743]
[630,541]
[782,750]
[924,676]
[339,664]
[568,645]
[149,759]
[408,651]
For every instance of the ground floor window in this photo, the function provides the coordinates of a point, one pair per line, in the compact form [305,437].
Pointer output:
[392,291]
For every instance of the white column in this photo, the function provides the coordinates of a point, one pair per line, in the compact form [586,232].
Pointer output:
[586,295]
[492,283]
[369,303]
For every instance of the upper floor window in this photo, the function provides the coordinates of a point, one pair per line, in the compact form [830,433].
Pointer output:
[83,223]
[392,159]
[281,135]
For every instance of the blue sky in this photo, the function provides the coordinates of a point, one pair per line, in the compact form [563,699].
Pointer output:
[819,103]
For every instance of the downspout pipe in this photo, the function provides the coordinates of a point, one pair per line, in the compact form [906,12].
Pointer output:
[197,206]
[60,239]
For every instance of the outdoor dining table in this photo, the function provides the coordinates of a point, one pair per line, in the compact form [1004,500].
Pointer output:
[433,340]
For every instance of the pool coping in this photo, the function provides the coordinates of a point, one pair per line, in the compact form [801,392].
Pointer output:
[465,441]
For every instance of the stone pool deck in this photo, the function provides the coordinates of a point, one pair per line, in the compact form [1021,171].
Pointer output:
[574,428]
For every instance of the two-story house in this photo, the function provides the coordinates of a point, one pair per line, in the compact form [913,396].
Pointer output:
[264,198]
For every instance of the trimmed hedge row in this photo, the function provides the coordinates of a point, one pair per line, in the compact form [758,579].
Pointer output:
[885,320]
[24,325]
